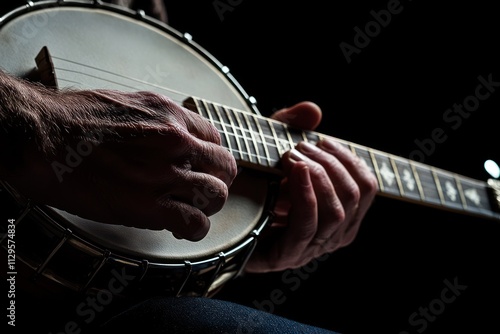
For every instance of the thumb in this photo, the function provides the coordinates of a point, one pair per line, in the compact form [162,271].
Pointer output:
[303,115]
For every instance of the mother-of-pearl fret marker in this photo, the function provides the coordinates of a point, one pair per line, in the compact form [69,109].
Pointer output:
[408,179]
[387,174]
[397,177]
[473,195]
[451,192]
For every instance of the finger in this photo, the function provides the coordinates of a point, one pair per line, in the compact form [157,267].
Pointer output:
[194,123]
[364,178]
[345,186]
[200,127]
[330,211]
[288,250]
[303,115]
[202,191]
[213,160]
[356,167]
[183,220]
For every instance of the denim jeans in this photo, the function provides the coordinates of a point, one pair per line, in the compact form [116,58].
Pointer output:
[201,315]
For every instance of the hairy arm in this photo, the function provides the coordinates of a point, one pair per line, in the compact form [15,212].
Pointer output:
[135,159]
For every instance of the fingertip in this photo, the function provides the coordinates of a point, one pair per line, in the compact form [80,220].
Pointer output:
[304,115]
[188,223]
[303,176]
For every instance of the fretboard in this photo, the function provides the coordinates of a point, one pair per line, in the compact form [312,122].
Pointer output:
[259,142]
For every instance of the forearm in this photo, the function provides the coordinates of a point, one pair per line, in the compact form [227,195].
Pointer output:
[41,119]
[46,120]
[21,120]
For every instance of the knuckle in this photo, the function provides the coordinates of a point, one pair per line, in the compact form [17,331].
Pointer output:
[353,195]
[338,213]
[370,184]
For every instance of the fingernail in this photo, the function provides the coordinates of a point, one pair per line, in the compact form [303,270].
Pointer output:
[308,148]
[295,155]
[305,178]
[328,144]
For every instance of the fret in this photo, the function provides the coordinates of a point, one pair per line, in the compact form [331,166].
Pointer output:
[476,196]
[240,130]
[428,184]
[312,137]
[236,131]
[228,132]
[419,183]
[343,143]
[283,141]
[398,180]
[256,124]
[257,141]
[270,139]
[438,185]
[450,190]
[204,111]
[365,157]
[406,176]
[386,173]
[377,172]
[295,136]
[461,192]
[262,141]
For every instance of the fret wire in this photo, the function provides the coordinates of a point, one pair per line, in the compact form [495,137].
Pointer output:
[304,137]
[207,110]
[263,137]
[254,139]
[438,185]
[271,144]
[417,178]
[231,123]
[375,167]
[223,126]
[431,174]
[398,180]
[256,156]
[461,191]
[353,150]
[244,132]
[276,140]
[287,132]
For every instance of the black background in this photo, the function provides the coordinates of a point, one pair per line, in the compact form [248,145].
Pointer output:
[395,91]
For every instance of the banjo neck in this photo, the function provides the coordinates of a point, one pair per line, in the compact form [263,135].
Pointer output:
[258,142]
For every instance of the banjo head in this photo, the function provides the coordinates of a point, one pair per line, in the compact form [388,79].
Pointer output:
[99,46]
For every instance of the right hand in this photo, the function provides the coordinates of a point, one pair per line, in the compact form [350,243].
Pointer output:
[149,163]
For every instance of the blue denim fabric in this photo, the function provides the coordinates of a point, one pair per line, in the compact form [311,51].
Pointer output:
[201,315]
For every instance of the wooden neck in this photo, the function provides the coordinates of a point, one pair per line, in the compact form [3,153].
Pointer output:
[259,142]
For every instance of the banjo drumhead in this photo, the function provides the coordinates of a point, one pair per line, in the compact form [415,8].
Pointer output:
[111,49]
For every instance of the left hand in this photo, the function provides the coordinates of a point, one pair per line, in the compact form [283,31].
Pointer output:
[324,196]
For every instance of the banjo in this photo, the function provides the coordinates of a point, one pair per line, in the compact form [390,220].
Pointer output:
[43,42]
